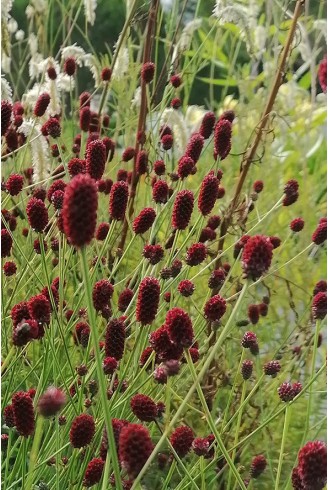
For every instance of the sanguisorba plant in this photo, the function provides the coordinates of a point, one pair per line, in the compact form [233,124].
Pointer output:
[163,290]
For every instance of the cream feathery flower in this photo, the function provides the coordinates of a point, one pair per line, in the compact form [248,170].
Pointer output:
[6,91]
[39,150]
[90,10]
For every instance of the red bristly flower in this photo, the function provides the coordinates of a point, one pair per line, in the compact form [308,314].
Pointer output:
[51,128]
[159,167]
[222,139]
[321,286]
[312,465]
[272,368]
[253,314]
[109,365]
[175,81]
[14,184]
[142,162]
[154,253]
[144,408]
[25,331]
[217,278]
[118,200]
[80,210]
[319,305]
[39,308]
[23,412]
[208,193]
[258,186]
[93,472]
[215,308]
[102,231]
[256,256]
[125,299]
[194,147]
[37,214]
[70,66]
[6,243]
[288,391]
[148,300]
[196,254]
[179,327]
[181,440]
[247,369]
[207,125]
[320,234]
[6,111]
[51,402]
[85,118]
[96,159]
[186,288]
[82,430]
[185,166]
[322,74]
[115,339]
[249,339]
[41,104]
[258,465]
[9,268]
[135,447]
[144,221]
[85,99]
[101,294]
[128,154]
[182,209]
[106,74]
[297,225]
[160,192]
[147,71]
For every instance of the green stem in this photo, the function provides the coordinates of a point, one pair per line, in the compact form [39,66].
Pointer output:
[101,378]
[243,393]
[34,452]
[283,440]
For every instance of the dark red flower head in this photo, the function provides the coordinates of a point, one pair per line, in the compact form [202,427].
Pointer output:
[222,139]
[82,430]
[14,184]
[297,225]
[256,256]
[51,128]
[85,99]
[288,391]
[39,308]
[179,327]
[147,71]
[144,408]
[135,447]
[196,254]
[215,308]
[312,465]
[109,365]
[182,209]
[96,159]
[160,192]
[25,331]
[85,118]
[247,369]
[258,186]
[319,305]
[194,147]
[148,300]
[118,200]
[37,214]
[23,413]
[93,472]
[320,286]
[41,104]
[106,74]
[258,465]
[296,480]
[142,162]
[101,294]
[186,288]
[6,111]
[9,268]
[6,243]
[253,314]
[272,368]
[144,221]
[154,253]
[80,210]
[159,167]
[175,81]
[70,66]
[208,193]
[217,278]
[320,234]
[322,74]
[51,402]
[102,231]
[249,339]
[124,299]
[115,339]
[207,125]
[185,166]
[181,440]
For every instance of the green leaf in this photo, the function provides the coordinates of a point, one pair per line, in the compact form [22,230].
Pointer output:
[223,82]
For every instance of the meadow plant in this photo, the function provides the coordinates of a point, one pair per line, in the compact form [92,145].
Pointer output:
[163,290]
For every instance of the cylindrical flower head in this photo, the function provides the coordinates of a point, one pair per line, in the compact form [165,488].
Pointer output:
[118,200]
[51,402]
[258,186]
[319,306]
[208,193]
[37,214]
[179,327]
[207,125]
[160,192]
[312,465]
[142,162]
[272,368]
[286,392]
[147,71]
[6,111]
[101,294]
[41,104]
[182,209]
[247,369]
[320,234]
[321,286]
[249,339]
[148,300]
[96,159]
[159,167]
[322,74]
[109,365]
[135,447]
[93,472]
[296,480]
[85,118]
[258,465]
[222,139]
[23,413]
[115,339]
[106,74]
[154,253]
[181,440]
[215,308]
[80,210]
[257,256]
[144,408]
[185,166]
[217,278]
[70,66]
[196,254]
[125,299]
[186,288]
[144,221]
[14,184]
[6,243]
[82,430]
[194,147]
[297,225]
[253,314]
[39,308]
